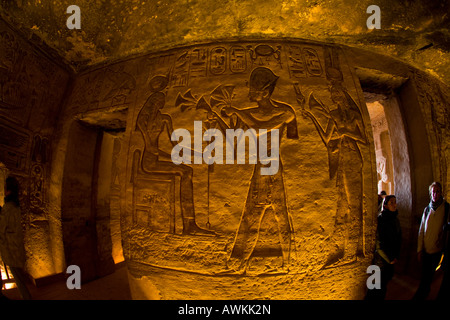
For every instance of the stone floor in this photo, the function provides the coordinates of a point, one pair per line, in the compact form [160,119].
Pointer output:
[403,287]
[111,287]
[115,287]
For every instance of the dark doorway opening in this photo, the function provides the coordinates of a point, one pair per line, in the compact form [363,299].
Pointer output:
[403,168]
[90,196]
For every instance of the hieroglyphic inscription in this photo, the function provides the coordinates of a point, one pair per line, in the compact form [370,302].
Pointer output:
[312,62]
[106,88]
[154,65]
[180,73]
[40,158]
[14,144]
[238,59]
[155,204]
[218,63]
[30,87]
[230,86]
[182,69]
[303,62]
[37,184]
[199,60]
[265,55]
[296,64]
[12,98]
[117,87]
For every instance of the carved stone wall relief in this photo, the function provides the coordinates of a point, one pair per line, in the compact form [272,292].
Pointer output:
[31,91]
[342,130]
[14,146]
[434,104]
[229,220]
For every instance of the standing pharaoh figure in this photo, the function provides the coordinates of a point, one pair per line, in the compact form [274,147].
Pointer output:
[266,194]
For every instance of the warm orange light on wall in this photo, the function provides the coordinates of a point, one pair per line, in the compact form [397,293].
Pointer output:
[8,282]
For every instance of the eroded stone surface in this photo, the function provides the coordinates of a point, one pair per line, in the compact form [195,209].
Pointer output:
[414,31]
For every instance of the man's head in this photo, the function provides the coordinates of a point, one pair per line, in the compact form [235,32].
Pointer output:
[435,190]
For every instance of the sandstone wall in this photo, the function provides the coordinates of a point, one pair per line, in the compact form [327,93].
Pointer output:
[305,232]
[32,89]
[310,226]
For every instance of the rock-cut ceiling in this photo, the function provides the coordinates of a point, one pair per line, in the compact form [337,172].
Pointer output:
[416,32]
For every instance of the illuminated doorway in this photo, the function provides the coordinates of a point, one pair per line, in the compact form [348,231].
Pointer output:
[376,104]
[391,150]
[385,105]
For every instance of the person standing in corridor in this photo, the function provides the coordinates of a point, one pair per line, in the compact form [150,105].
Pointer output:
[431,239]
[388,245]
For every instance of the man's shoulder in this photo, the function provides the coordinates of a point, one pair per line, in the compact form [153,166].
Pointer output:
[426,211]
